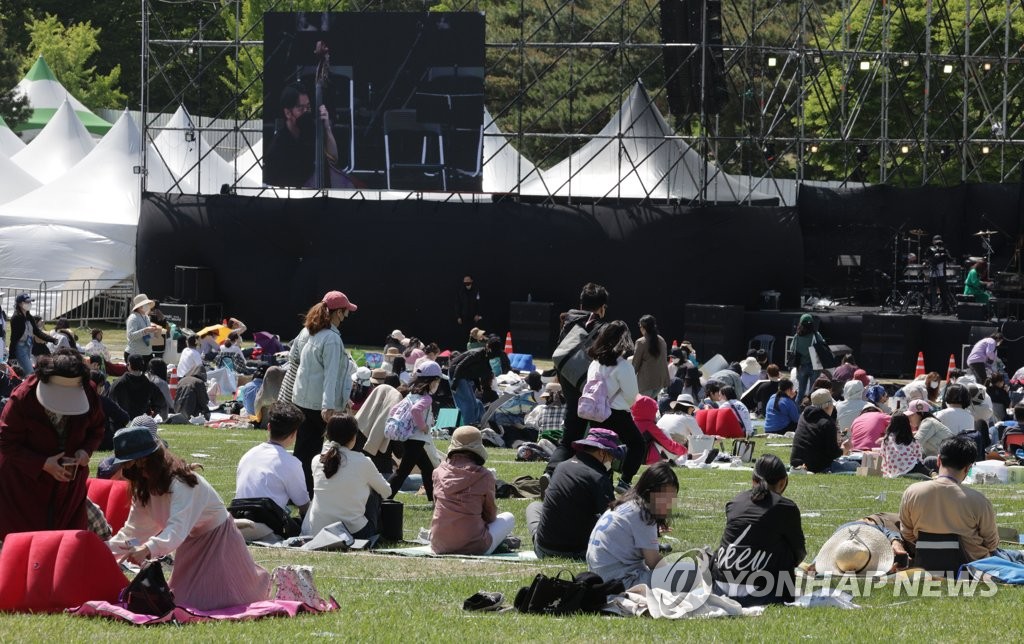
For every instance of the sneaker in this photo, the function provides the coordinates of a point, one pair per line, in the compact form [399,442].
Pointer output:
[483,601]
[512,543]
[545,480]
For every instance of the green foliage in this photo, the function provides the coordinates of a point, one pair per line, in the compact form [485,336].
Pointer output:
[67,50]
[13,109]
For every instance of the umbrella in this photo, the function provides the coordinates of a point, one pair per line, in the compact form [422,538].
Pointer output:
[222,331]
[269,342]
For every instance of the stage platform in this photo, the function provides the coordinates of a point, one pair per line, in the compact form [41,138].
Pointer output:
[884,344]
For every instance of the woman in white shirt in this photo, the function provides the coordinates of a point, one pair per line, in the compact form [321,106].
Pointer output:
[190,358]
[346,484]
[176,510]
[620,380]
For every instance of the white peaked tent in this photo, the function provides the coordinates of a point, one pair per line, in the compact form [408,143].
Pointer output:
[81,225]
[59,147]
[504,167]
[14,181]
[249,162]
[10,144]
[196,166]
[46,94]
[633,157]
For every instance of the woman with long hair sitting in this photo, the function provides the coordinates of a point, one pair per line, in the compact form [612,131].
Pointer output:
[624,543]
[346,484]
[176,510]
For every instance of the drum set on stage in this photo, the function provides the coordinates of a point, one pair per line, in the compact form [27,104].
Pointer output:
[927,277]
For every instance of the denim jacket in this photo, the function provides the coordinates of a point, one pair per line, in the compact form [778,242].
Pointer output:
[323,380]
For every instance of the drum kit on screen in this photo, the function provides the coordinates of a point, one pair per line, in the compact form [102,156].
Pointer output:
[928,277]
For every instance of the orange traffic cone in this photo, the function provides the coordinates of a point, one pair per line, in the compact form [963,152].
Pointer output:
[675,345]
[508,342]
[919,369]
[951,369]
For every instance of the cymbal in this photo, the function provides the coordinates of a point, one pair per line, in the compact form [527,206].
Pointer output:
[985,233]
[916,232]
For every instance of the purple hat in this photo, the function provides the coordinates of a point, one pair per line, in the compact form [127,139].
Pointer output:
[875,393]
[604,439]
[428,369]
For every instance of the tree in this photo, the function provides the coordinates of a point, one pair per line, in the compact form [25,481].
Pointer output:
[67,51]
[14,109]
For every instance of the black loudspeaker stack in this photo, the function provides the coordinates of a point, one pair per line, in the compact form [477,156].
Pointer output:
[194,284]
[691,76]
[889,345]
[715,328]
[532,327]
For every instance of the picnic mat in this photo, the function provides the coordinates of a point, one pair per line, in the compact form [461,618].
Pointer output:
[425,551]
[183,615]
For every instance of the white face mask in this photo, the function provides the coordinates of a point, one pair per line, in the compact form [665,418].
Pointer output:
[934,384]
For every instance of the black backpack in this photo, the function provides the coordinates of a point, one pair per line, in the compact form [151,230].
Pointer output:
[586,593]
[264,510]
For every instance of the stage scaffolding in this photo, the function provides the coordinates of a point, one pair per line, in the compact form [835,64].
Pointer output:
[892,92]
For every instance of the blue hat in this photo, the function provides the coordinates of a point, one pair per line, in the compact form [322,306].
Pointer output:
[875,393]
[133,443]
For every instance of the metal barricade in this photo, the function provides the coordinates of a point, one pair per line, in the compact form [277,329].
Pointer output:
[82,301]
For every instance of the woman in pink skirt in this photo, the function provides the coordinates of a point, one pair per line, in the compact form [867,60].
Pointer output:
[175,509]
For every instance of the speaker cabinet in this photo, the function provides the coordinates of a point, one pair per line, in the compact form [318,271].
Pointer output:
[889,345]
[194,284]
[533,328]
[715,328]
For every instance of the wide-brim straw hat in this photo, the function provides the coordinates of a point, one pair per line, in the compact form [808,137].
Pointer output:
[860,549]
[468,439]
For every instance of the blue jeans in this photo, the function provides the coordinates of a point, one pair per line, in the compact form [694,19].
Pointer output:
[470,408]
[838,466]
[805,377]
[23,354]
[1016,556]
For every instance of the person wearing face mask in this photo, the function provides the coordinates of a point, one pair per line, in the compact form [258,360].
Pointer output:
[932,382]
[580,491]
[25,330]
[139,330]
[323,380]
[467,312]
[425,382]
[290,159]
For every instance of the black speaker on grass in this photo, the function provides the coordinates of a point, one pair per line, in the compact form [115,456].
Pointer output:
[715,328]
[889,344]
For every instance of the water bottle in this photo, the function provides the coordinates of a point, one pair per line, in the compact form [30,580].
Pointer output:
[1019,454]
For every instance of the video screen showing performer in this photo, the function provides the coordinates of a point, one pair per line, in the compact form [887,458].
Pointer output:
[374,100]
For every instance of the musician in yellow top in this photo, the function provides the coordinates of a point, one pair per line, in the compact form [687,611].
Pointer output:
[976,283]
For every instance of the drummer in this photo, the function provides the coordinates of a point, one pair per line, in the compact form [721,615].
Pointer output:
[937,257]
[976,283]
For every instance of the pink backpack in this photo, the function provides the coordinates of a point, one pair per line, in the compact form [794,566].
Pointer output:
[593,404]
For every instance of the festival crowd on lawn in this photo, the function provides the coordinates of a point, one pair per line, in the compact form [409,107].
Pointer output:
[343,440]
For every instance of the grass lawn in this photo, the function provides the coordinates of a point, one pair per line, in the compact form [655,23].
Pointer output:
[386,598]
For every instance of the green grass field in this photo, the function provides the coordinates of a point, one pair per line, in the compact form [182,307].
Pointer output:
[386,598]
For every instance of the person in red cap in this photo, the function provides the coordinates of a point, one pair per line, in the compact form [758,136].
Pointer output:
[323,380]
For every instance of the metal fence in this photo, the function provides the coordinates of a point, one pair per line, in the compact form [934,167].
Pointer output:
[82,301]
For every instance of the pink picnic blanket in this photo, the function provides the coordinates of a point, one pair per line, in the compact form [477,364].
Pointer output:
[184,615]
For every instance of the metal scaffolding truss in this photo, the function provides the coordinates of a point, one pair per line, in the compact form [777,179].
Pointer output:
[899,92]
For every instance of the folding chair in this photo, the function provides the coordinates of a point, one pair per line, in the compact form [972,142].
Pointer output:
[941,555]
[447,418]
[404,122]
[764,341]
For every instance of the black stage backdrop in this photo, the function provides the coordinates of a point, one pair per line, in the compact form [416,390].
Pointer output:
[402,262]
[865,222]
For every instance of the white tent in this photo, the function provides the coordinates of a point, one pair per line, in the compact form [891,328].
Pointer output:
[249,162]
[635,156]
[14,181]
[59,147]
[504,167]
[46,94]
[81,225]
[196,167]
[10,144]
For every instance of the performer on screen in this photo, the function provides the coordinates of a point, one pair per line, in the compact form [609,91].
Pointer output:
[977,283]
[289,161]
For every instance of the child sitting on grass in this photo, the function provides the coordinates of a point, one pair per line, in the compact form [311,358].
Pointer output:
[624,543]
[466,519]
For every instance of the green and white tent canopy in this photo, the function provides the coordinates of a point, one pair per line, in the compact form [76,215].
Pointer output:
[45,94]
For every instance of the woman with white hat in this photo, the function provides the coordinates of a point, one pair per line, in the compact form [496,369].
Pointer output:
[140,331]
[48,431]
[322,382]
[176,510]
[466,519]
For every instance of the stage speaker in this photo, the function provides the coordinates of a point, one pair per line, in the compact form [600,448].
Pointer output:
[889,344]
[688,74]
[532,327]
[715,328]
[193,316]
[194,284]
